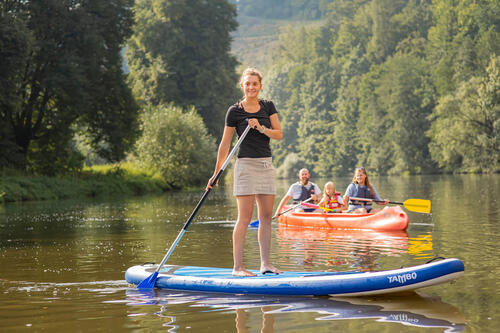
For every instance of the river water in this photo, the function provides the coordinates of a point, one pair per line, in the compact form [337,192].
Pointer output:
[63,263]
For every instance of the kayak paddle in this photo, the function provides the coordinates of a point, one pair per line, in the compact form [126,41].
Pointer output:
[324,208]
[150,281]
[255,223]
[414,205]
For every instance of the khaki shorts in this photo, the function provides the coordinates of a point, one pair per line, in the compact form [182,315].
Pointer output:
[254,176]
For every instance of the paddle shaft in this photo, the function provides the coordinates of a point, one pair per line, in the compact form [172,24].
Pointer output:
[364,199]
[195,211]
[324,208]
[293,207]
[414,205]
[256,222]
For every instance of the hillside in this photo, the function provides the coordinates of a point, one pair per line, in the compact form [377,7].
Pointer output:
[256,39]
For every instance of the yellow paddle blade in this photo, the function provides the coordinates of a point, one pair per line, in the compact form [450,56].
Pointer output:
[418,205]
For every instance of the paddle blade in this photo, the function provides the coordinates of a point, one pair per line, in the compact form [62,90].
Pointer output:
[254,224]
[149,282]
[418,205]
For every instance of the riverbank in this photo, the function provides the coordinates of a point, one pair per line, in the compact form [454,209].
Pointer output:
[106,180]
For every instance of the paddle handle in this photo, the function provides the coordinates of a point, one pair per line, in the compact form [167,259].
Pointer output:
[200,203]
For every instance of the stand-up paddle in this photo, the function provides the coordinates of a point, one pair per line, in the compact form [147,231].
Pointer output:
[150,281]
[414,205]
[255,223]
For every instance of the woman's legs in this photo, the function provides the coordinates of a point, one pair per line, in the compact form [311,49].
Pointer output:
[245,211]
[265,206]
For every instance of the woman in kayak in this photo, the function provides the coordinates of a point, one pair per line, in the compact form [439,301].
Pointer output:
[332,200]
[253,172]
[361,188]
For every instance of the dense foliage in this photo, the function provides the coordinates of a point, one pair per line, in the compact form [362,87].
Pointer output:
[397,86]
[61,72]
[179,52]
[176,144]
[466,126]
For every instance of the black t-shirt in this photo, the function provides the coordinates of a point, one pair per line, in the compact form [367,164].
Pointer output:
[255,143]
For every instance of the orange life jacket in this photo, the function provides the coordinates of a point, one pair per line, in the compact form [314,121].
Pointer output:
[333,203]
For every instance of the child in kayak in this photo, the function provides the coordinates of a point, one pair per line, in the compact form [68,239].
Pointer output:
[332,200]
[361,188]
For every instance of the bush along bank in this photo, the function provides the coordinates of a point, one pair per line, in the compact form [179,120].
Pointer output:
[106,180]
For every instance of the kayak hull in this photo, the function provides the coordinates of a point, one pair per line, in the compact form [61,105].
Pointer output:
[206,279]
[388,219]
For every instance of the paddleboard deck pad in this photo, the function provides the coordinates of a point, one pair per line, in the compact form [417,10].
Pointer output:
[207,279]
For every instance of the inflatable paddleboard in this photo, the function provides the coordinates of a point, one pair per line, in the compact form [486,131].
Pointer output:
[207,279]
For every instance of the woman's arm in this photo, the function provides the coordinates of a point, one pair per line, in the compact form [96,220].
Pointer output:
[345,204]
[347,195]
[274,132]
[222,152]
[283,201]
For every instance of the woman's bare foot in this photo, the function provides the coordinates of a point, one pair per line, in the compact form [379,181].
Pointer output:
[269,270]
[242,272]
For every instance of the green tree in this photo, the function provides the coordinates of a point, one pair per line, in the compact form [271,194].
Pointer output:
[315,130]
[180,52]
[176,143]
[290,166]
[363,84]
[396,100]
[465,131]
[62,68]
[384,33]
[345,109]
[14,41]
[282,85]
[462,39]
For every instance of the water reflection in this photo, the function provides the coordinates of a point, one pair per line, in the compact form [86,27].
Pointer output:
[411,309]
[338,249]
[421,246]
[267,320]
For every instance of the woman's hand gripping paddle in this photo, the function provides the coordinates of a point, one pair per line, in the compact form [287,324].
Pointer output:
[414,205]
[255,223]
[150,281]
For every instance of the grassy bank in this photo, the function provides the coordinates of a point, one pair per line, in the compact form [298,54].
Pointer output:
[108,180]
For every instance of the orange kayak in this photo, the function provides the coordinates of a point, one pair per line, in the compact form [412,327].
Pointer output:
[389,218]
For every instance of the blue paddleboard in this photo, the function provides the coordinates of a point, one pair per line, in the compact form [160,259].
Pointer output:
[208,279]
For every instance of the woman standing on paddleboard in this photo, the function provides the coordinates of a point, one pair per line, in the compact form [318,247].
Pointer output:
[254,172]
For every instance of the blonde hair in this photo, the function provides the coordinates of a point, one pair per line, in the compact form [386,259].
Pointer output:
[325,196]
[251,71]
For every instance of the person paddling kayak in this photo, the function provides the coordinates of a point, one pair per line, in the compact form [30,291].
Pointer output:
[362,188]
[299,192]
